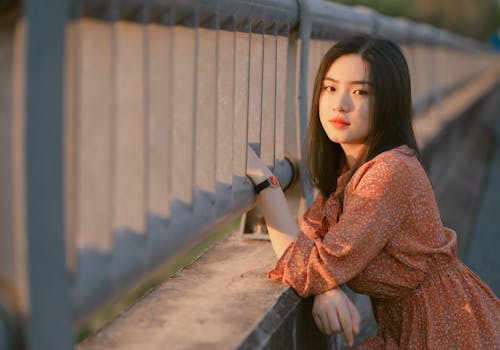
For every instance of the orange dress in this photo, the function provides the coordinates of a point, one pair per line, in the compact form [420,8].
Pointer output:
[388,242]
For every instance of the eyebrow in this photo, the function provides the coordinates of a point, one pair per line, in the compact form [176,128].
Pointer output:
[360,82]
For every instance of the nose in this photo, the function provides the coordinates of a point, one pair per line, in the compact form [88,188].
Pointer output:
[342,104]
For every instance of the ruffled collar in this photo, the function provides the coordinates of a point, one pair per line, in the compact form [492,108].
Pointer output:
[332,207]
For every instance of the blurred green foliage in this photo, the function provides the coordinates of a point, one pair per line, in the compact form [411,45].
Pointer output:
[473,18]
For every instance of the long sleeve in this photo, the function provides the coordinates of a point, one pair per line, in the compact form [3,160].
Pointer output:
[375,205]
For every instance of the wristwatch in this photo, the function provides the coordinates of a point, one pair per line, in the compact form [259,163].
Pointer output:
[271,181]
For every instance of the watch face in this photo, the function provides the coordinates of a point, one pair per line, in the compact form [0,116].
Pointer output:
[271,181]
[274,181]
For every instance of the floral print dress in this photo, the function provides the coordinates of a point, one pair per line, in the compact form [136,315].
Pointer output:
[386,239]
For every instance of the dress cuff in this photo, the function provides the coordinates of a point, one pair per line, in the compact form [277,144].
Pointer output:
[291,267]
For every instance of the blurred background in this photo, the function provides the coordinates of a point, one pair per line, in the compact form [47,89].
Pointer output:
[479,19]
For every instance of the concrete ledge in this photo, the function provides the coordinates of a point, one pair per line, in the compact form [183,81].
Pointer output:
[210,304]
[224,300]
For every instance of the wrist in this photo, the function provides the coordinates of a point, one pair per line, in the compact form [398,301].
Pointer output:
[261,176]
[270,182]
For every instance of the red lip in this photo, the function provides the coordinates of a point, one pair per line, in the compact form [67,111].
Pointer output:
[338,122]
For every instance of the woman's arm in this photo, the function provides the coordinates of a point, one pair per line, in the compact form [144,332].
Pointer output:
[333,311]
[280,224]
[375,207]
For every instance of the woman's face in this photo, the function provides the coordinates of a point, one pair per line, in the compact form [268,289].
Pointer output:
[344,102]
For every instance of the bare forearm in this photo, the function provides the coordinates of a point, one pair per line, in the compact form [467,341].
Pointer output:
[280,223]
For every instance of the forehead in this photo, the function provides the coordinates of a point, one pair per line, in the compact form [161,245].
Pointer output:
[348,68]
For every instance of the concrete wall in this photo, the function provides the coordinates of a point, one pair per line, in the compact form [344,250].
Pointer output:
[457,161]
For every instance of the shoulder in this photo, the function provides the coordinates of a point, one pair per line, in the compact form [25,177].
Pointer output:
[394,168]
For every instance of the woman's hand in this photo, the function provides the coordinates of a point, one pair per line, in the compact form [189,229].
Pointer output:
[257,171]
[334,312]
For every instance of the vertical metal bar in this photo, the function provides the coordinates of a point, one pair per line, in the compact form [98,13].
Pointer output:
[292,135]
[171,105]
[268,96]
[235,105]
[233,98]
[282,42]
[249,71]
[185,92]
[96,150]
[129,178]
[255,81]
[275,92]
[146,105]
[194,125]
[206,120]
[262,72]
[225,113]
[241,93]
[49,318]
[216,133]
[114,14]
[160,70]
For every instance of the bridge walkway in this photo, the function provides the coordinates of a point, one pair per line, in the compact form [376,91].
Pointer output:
[482,254]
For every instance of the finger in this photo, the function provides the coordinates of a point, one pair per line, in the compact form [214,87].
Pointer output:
[319,324]
[345,322]
[333,322]
[355,317]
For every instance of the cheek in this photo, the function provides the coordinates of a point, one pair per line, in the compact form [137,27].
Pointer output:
[323,121]
[323,110]
[364,112]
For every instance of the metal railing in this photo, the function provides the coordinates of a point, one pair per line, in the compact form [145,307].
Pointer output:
[125,126]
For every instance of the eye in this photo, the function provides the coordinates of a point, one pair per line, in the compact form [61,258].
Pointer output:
[329,88]
[360,92]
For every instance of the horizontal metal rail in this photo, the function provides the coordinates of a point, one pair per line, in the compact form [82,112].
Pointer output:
[221,14]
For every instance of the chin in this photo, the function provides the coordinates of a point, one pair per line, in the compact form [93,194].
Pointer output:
[336,139]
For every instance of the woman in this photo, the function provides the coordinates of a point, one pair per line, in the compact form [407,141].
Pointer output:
[375,223]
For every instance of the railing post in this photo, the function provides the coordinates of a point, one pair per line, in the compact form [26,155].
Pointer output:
[49,325]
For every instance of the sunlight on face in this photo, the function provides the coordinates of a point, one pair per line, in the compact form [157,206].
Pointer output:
[344,103]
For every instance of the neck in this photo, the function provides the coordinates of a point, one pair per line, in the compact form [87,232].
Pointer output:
[353,153]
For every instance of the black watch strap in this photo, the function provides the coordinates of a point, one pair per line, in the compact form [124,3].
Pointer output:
[271,181]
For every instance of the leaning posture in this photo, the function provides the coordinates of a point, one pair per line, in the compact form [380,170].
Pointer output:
[374,224]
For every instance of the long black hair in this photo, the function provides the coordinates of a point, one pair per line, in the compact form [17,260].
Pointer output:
[390,109]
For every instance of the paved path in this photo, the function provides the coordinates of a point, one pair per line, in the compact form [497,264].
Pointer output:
[484,250]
